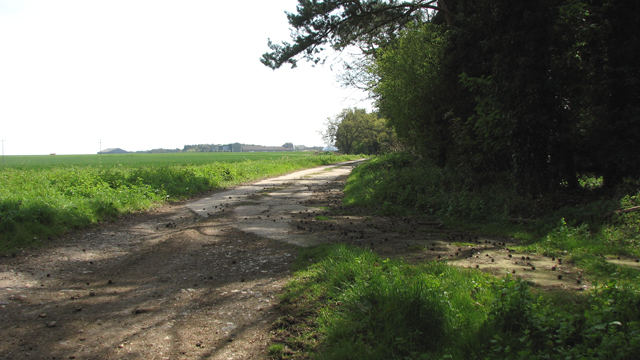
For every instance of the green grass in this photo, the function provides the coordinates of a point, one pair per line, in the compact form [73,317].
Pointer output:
[348,303]
[569,223]
[400,184]
[38,203]
[46,161]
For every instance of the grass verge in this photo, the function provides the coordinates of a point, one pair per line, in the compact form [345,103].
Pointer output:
[581,225]
[347,303]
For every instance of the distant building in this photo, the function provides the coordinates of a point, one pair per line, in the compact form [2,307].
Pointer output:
[237,147]
[260,148]
[307,148]
[330,148]
[113,151]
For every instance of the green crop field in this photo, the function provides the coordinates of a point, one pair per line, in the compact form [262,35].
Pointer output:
[42,197]
[41,161]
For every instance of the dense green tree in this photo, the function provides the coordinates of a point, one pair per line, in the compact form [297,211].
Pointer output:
[608,33]
[505,48]
[540,90]
[413,93]
[355,131]
[556,87]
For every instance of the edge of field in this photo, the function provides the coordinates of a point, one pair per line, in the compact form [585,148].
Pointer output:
[40,203]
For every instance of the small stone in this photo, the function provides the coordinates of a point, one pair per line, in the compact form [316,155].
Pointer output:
[51,324]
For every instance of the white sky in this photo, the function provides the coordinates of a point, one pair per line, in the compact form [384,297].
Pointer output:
[145,74]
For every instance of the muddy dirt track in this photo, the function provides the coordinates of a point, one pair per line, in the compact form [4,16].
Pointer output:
[200,279]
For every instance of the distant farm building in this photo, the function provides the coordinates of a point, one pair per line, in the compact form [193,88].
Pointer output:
[237,147]
[259,148]
[113,151]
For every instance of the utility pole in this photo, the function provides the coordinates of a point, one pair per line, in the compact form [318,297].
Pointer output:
[100,147]
[2,152]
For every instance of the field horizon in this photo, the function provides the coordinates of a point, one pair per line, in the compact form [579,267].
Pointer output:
[34,161]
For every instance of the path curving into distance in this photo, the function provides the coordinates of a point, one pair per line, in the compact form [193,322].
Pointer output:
[266,208]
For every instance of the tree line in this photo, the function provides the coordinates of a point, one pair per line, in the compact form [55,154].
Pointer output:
[538,91]
[355,131]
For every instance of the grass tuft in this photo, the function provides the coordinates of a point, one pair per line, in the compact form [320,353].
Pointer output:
[351,304]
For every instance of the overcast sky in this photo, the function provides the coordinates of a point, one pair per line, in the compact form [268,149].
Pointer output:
[145,74]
